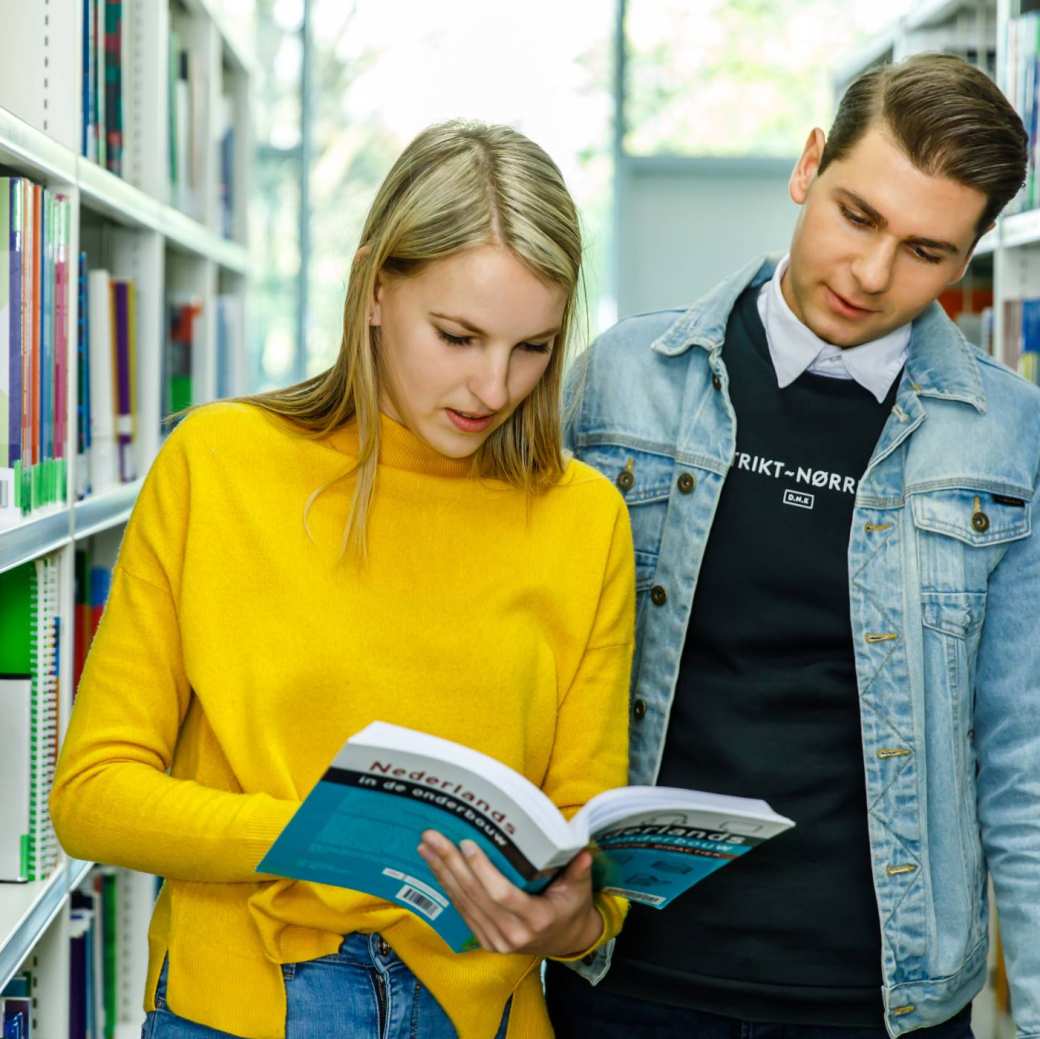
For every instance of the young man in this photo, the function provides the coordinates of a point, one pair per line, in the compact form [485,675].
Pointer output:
[833,497]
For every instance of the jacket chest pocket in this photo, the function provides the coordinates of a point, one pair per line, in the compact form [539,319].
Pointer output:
[962,535]
[645,481]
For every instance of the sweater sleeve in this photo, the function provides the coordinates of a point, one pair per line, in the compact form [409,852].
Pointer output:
[591,748]
[113,800]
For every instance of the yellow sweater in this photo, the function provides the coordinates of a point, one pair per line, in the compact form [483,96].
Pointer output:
[239,654]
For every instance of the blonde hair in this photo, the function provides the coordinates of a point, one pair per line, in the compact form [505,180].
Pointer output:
[457,185]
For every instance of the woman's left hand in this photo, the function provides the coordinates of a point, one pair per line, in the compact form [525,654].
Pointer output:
[560,921]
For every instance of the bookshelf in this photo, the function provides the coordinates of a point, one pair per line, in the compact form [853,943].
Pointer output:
[1007,259]
[136,225]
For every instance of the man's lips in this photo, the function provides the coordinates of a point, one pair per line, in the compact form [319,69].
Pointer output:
[847,305]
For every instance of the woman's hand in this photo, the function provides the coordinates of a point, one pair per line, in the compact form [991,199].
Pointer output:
[561,921]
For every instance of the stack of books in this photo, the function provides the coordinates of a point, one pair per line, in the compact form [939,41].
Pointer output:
[106,36]
[35,229]
[30,632]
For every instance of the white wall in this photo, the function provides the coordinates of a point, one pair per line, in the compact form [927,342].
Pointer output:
[684,224]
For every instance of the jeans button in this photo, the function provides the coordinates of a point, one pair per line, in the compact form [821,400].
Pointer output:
[383,946]
[658,596]
[639,709]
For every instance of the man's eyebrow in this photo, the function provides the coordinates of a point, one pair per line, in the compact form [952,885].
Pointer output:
[470,327]
[877,218]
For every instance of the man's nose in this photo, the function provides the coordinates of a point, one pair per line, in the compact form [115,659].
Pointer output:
[873,268]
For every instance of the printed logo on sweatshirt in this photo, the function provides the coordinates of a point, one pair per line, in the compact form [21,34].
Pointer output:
[800,499]
[777,469]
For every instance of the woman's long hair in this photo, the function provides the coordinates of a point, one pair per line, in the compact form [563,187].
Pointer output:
[457,185]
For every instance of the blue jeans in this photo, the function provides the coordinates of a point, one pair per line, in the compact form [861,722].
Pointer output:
[578,1011]
[364,991]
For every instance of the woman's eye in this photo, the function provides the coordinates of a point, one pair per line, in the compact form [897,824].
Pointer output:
[536,348]
[453,340]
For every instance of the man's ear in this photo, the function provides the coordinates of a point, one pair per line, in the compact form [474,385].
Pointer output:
[971,254]
[805,169]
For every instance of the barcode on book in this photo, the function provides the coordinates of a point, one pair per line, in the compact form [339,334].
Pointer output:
[416,898]
[637,896]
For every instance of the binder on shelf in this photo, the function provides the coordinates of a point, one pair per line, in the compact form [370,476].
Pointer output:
[30,631]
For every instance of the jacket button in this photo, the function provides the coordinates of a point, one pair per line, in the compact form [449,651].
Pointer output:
[686,482]
[658,596]
[716,382]
[639,709]
[980,522]
[625,480]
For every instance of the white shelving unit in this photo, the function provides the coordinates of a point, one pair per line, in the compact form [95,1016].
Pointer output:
[976,30]
[129,226]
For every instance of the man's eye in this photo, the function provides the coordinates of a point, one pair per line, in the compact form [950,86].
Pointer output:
[928,257]
[854,218]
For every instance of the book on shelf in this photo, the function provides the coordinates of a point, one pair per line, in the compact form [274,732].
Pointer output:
[16,1007]
[110,335]
[226,146]
[35,230]
[83,435]
[360,826]
[93,582]
[182,354]
[30,677]
[108,956]
[232,376]
[186,116]
[1023,87]
[1020,349]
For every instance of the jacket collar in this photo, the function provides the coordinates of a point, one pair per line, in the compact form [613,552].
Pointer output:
[941,362]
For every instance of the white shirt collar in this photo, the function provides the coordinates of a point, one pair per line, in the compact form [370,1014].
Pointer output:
[795,348]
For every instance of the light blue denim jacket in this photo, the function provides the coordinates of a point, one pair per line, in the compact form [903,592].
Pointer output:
[944,587]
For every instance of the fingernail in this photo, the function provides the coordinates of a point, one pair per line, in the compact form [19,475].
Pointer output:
[469,849]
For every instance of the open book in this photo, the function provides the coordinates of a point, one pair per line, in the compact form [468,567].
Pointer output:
[361,824]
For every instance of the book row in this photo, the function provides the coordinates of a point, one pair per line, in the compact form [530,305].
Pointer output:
[107,55]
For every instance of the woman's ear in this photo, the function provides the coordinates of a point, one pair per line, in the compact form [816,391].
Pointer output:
[375,308]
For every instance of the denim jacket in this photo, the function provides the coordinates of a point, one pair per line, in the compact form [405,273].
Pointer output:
[944,591]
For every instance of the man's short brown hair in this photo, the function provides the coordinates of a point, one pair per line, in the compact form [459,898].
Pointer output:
[949,117]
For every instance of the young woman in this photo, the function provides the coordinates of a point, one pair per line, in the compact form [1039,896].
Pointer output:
[398,538]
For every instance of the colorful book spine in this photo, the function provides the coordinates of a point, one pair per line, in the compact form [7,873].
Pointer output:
[8,507]
[82,382]
[63,232]
[114,85]
[14,302]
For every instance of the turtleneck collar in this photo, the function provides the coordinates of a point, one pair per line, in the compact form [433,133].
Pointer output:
[400,448]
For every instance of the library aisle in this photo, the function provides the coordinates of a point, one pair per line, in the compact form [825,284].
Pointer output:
[124,177]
